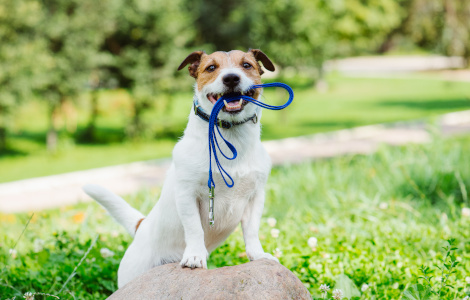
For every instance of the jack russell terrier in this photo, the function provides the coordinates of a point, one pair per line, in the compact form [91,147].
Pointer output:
[177,228]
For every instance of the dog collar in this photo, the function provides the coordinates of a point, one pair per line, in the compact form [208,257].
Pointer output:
[221,123]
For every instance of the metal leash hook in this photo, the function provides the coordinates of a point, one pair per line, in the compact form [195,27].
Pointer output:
[211,206]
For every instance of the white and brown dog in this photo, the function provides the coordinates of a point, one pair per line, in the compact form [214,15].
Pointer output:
[177,229]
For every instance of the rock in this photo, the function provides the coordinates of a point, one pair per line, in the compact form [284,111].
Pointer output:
[261,279]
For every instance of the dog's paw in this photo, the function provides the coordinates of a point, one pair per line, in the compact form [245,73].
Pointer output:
[194,261]
[263,255]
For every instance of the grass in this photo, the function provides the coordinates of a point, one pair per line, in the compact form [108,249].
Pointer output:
[349,102]
[377,219]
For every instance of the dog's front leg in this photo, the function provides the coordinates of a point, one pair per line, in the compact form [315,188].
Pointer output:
[250,225]
[195,254]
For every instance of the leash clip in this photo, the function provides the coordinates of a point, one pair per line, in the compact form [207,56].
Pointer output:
[211,206]
[255,119]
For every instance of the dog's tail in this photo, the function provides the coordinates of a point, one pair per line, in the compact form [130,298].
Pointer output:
[117,207]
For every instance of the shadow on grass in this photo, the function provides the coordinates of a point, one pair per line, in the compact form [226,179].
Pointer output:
[170,130]
[328,126]
[455,104]
[16,146]
[37,137]
[109,135]
[100,135]
[296,82]
[12,152]
[436,188]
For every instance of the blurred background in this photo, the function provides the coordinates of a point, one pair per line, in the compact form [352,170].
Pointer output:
[86,84]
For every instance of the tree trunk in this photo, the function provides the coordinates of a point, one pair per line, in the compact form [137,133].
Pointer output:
[321,85]
[169,102]
[52,136]
[136,127]
[387,43]
[90,131]
[283,113]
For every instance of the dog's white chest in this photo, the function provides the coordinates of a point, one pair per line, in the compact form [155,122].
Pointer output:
[229,206]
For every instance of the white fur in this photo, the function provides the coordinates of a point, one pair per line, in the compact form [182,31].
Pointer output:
[119,209]
[177,228]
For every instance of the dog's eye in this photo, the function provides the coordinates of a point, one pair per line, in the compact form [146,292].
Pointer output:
[247,66]
[210,68]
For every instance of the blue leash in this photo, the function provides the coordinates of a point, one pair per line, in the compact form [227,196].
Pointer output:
[213,143]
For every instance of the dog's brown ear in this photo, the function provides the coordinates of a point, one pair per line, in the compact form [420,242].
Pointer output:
[194,59]
[260,56]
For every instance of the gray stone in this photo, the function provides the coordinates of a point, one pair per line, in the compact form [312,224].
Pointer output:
[261,279]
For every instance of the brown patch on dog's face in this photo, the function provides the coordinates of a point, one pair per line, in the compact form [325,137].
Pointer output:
[206,68]
[211,65]
[229,74]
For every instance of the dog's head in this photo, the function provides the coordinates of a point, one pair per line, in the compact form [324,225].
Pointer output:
[227,73]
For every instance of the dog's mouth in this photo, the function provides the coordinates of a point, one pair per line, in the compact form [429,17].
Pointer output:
[232,106]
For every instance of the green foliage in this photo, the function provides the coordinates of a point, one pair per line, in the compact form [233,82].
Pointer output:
[19,71]
[70,33]
[299,33]
[441,25]
[366,229]
[303,33]
[427,289]
[322,29]
[147,44]
[418,292]
[347,286]
[58,49]
[52,261]
[221,25]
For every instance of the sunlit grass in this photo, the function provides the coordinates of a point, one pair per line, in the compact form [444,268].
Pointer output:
[375,218]
[74,158]
[349,102]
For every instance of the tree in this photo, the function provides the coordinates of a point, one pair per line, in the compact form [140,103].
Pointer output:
[441,25]
[223,25]
[304,33]
[70,32]
[299,33]
[18,65]
[147,44]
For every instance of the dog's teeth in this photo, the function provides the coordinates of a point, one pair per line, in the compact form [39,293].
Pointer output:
[240,102]
[225,103]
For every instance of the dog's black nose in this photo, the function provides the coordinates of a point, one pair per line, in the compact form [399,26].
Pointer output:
[231,80]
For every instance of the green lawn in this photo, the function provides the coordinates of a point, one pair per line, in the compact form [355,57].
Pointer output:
[376,219]
[349,102]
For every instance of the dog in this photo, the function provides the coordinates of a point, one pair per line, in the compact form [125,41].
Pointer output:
[177,229]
